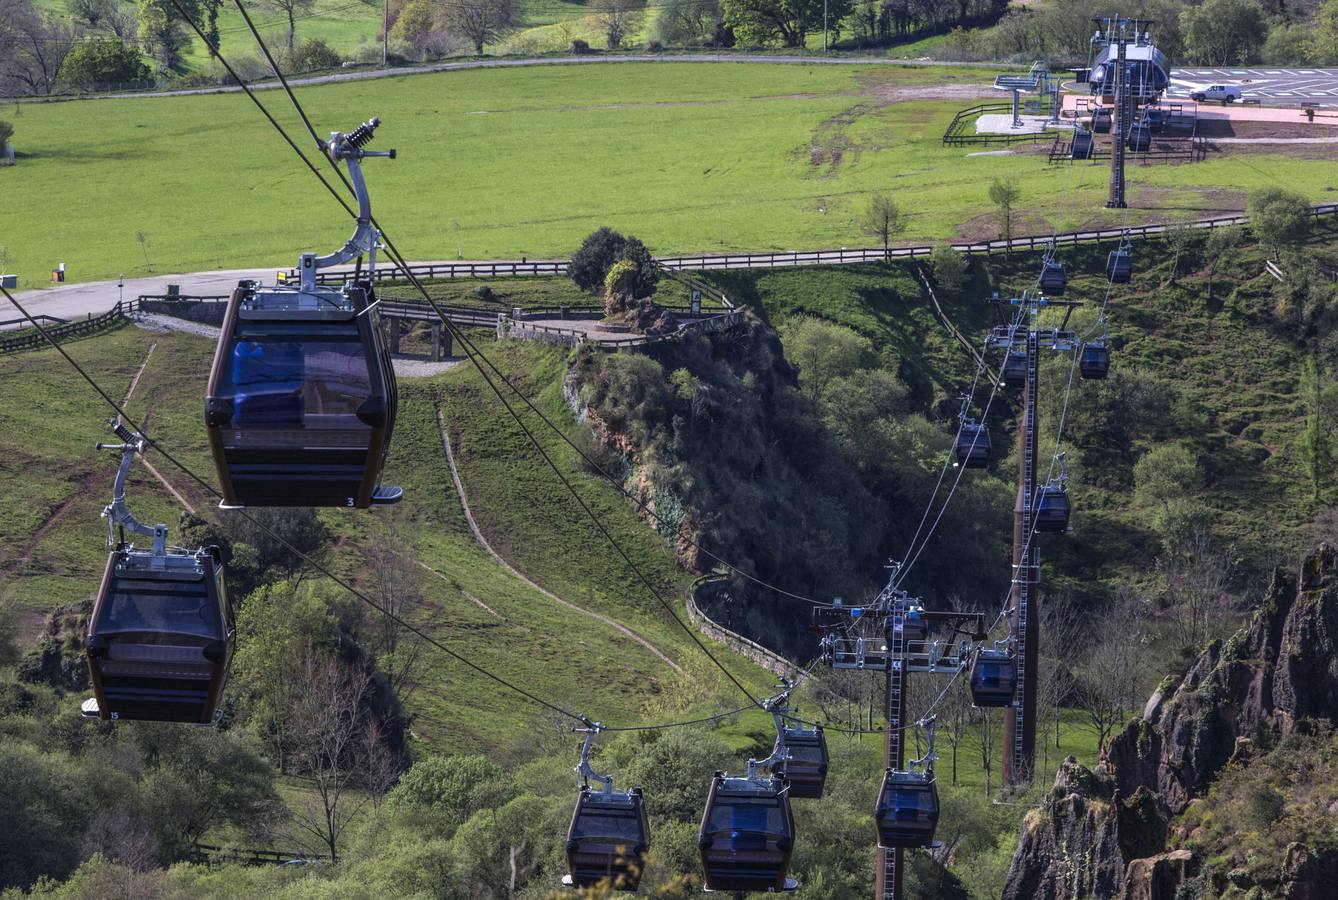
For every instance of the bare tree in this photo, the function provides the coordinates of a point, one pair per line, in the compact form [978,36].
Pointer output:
[883,220]
[33,47]
[481,21]
[1112,672]
[398,582]
[330,740]
[1055,676]
[985,726]
[617,17]
[954,720]
[292,9]
[1196,574]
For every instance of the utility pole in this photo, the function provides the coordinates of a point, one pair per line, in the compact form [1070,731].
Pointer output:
[385,32]
[1117,131]
[824,26]
[1019,728]
[894,635]
[888,880]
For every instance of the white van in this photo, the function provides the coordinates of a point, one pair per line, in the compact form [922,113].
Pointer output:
[1227,93]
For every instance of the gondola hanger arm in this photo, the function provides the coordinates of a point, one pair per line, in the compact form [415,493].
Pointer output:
[117,513]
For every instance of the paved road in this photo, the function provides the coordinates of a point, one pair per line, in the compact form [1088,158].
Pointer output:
[1318,86]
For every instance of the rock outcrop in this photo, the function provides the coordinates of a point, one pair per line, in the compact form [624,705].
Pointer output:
[1277,676]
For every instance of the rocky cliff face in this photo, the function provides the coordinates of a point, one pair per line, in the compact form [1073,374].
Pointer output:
[1103,833]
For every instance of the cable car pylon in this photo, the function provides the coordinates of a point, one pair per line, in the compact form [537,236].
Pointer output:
[1019,751]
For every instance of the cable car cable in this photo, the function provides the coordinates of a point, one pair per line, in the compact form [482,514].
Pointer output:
[403,266]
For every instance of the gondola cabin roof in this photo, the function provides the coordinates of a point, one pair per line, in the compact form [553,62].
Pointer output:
[746,835]
[608,839]
[302,398]
[908,810]
[159,638]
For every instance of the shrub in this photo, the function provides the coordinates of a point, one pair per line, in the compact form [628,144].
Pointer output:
[6,132]
[600,250]
[483,292]
[580,46]
[456,785]
[103,62]
[655,47]
[949,268]
[314,54]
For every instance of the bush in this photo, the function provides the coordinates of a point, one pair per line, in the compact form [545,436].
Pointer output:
[483,292]
[6,132]
[580,46]
[655,47]
[950,268]
[103,62]
[314,54]
[455,785]
[600,250]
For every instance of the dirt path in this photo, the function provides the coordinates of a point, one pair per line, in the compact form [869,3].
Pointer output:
[483,542]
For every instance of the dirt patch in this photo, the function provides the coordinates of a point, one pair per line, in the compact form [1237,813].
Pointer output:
[887,94]
[25,554]
[1221,128]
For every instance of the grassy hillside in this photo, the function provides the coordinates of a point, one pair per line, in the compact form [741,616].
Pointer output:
[691,157]
[54,546]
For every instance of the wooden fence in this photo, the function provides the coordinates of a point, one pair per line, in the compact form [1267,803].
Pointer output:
[33,340]
[767,659]
[951,328]
[212,856]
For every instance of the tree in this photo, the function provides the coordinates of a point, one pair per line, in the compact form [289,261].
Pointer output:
[415,25]
[6,133]
[1224,32]
[1323,37]
[314,55]
[398,582]
[823,351]
[687,22]
[33,47]
[162,32]
[1279,218]
[1290,45]
[950,268]
[1112,670]
[92,13]
[758,22]
[618,18]
[481,21]
[1004,194]
[590,264]
[103,62]
[1180,239]
[457,786]
[1219,246]
[291,9]
[1315,444]
[330,745]
[883,220]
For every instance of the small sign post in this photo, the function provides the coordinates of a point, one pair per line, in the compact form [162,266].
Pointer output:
[696,302]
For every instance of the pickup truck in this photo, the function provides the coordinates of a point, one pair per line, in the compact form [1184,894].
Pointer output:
[1227,93]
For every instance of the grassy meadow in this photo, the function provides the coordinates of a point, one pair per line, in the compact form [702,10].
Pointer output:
[525,162]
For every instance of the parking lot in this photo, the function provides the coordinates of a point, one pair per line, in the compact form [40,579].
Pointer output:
[1317,86]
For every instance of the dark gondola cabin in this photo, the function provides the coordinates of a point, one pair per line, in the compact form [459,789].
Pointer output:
[1140,137]
[907,812]
[1102,117]
[1094,362]
[1015,368]
[608,839]
[1082,144]
[160,637]
[973,447]
[993,678]
[806,769]
[1054,280]
[1119,266]
[302,398]
[1052,509]
[746,835]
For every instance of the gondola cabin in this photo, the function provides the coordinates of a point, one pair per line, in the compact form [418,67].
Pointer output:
[1082,144]
[302,398]
[160,637]
[746,835]
[972,447]
[1140,137]
[907,812]
[1119,266]
[1155,117]
[1015,368]
[1102,117]
[993,678]
[1052,509]
[1094,362]
[806,769]
[1054,280]
[608,839]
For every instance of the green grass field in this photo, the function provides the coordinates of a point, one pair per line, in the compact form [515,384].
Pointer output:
[510,163]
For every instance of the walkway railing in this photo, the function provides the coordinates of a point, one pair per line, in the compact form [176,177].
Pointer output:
[767,659]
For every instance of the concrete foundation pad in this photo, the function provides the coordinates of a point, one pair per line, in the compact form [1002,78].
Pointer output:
[1002,123]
